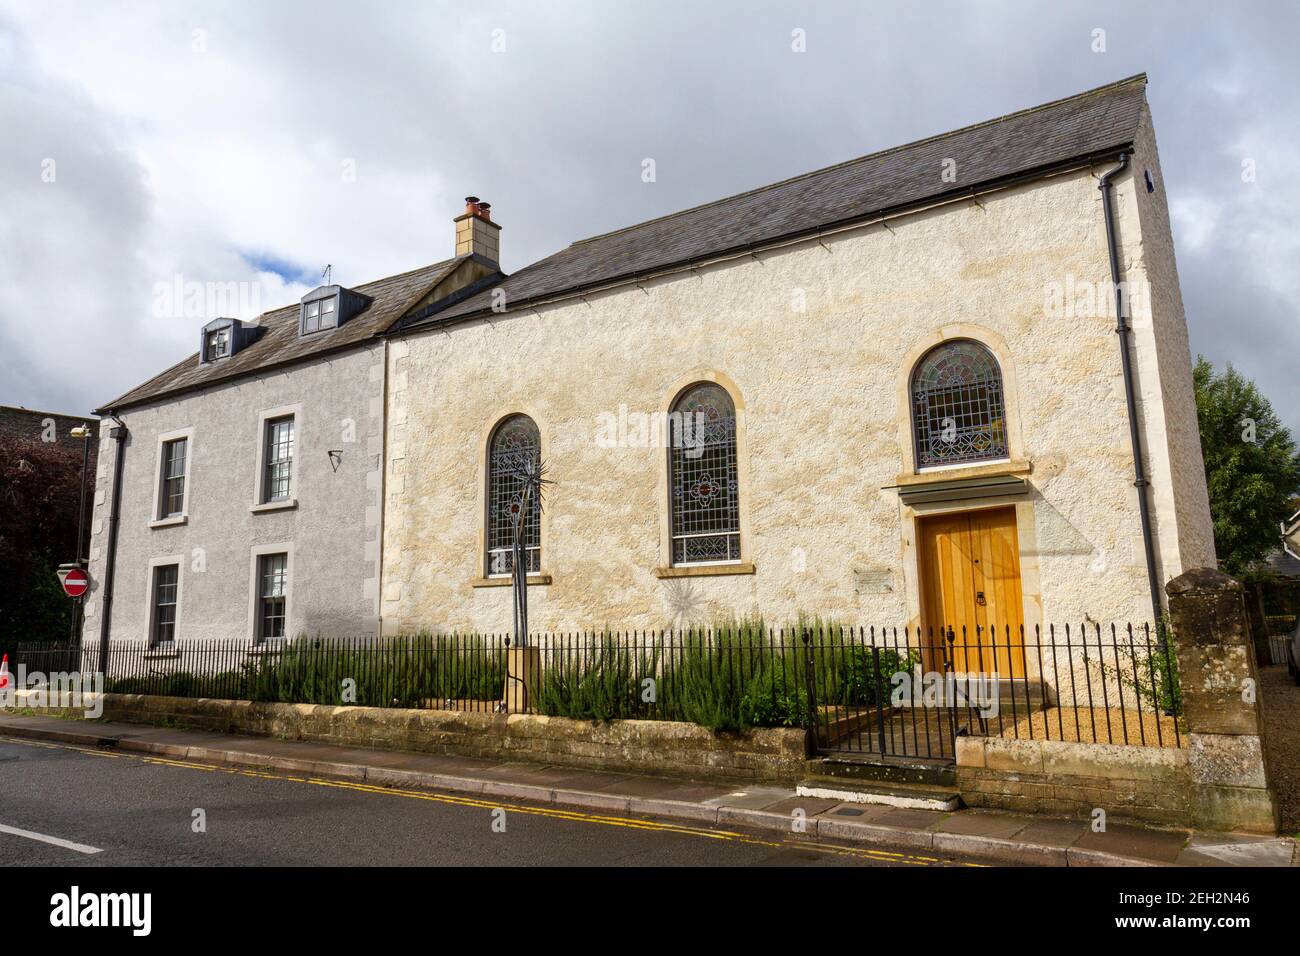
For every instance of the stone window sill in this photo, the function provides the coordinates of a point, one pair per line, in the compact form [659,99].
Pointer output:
[265,506]
[264,648]
[705,570]
[976,470]
[162,654]
[531,579]
[172,522]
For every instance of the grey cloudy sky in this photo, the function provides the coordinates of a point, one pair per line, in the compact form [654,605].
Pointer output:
[211,141]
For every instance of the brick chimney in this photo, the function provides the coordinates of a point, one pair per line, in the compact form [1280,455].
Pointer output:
[476,233]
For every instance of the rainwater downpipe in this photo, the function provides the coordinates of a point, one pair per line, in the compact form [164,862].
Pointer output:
[118,434]
[1125,332]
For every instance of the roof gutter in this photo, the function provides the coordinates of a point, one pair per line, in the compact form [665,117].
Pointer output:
[112,409]
[1125,332]
[836,227]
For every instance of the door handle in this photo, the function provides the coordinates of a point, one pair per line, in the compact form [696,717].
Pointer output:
[979,598]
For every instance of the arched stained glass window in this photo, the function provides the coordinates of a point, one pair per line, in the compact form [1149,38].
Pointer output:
[957,405]
[514,452]
[702,477]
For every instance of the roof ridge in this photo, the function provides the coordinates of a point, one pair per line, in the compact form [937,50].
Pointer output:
[1137,77]
[46,411]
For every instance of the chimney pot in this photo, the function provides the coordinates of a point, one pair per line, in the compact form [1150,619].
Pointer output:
[485,210]
[471,205]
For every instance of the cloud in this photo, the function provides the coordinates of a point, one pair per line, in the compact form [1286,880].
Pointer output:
[1195,218]
[257,142]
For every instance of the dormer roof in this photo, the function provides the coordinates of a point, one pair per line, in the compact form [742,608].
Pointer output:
[281,342]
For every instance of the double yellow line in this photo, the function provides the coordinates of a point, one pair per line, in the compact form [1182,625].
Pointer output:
[556,813]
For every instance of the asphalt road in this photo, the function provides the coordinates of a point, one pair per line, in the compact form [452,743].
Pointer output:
[137,810]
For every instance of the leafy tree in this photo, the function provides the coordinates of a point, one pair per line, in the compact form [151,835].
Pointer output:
[39,489]
[1251,465]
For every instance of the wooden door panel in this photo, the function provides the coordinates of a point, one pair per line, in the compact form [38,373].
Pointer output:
[950,595]
[998,573]
[970,581]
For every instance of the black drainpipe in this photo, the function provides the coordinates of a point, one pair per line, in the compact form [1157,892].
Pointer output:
[1122,329]
[118,434]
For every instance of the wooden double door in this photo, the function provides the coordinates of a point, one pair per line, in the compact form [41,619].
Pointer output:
[970,578]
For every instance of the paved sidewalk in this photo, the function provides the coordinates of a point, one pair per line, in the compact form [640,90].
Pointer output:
[988,836]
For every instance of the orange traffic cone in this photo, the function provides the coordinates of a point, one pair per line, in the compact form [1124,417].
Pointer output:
[4,672]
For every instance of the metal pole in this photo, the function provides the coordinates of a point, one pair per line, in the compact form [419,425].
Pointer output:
[810,680]
[81,521]
[519,576]
[118,434]
[81,507]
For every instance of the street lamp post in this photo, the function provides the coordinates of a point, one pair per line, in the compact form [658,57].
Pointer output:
[532,477]
[519,569]
[82,432]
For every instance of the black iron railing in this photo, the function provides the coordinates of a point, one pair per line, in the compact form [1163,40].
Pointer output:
[879,691]
[1088,684]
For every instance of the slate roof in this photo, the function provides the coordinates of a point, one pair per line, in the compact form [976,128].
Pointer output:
[1092,125]
[27,424]
[1096,123]
[280,344]
[1279,562]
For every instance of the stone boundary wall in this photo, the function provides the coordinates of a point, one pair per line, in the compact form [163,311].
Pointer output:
[1220,781]
[655,746]
[1216,662]
[1146,784]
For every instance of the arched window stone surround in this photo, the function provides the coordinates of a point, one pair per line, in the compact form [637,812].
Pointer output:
[671,397]
[1010,391]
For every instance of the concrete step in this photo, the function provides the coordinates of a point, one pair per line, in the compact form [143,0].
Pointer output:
[1034,691]
[851,769]
[913,796]
[1018,689]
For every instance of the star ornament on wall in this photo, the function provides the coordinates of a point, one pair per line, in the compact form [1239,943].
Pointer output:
[1291,536]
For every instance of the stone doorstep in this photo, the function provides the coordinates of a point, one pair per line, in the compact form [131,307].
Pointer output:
[764,807]
[914,798]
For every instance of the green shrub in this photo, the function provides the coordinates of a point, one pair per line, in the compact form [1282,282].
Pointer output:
[1152,675]
[772,700]
[1167,689]
[401,672]
[600,681]
[729,677]
[739,674]
[864,679]
[227,685]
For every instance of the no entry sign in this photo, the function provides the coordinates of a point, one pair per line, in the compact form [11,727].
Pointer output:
[74,580]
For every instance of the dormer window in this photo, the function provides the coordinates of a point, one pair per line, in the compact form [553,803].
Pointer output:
[320,315]
[329,307]
[218,345]
[222,338]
